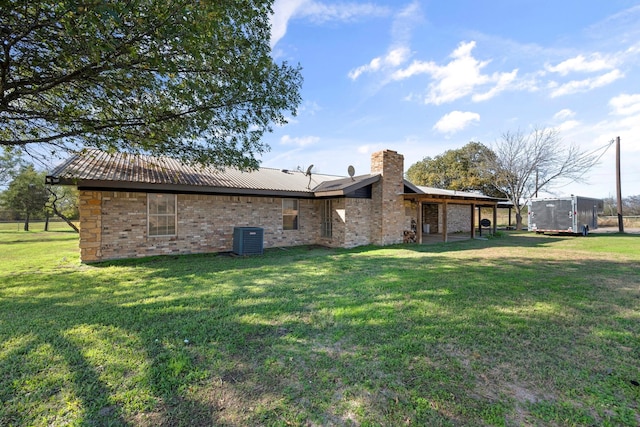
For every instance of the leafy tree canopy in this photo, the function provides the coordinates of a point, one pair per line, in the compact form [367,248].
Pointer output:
[191,79]
[9,164]
[460,169]
[26,193]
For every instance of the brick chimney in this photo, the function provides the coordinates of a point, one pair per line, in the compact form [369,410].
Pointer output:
[387,197]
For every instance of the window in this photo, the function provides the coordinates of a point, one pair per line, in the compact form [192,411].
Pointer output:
[325,218]
[161,214]
[289,214]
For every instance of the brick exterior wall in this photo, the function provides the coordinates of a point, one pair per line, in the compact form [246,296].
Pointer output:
[90,209]
[351,220]
[359,222]
[113,224]
[389,219]
[458,218]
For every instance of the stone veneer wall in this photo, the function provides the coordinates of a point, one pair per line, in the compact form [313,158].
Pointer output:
[388,220]
[411,215]
[458,218]
[114,224]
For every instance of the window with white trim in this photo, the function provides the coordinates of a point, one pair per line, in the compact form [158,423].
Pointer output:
[161,214]
[289,214]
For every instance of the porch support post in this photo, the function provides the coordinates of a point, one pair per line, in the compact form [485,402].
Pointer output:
[495,218]
[444,221]
[473,225]
[480,220]
[419,222]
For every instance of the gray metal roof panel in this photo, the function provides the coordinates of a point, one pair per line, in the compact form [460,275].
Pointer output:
[453,193]
[346,184]
[99,166]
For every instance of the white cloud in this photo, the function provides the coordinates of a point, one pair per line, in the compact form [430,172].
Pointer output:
[299,141]
[399,52]
[364,149]
[320,12]
[310,108]
[405,21]
[317,12]
[585,85]
[595,63]
[459,78]
[456,121]
[393,58]
[568,125]
[564,114]
[283,11]
[625,104]
[503,82]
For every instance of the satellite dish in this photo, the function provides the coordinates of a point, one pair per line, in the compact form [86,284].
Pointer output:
[351,171]
[308,172]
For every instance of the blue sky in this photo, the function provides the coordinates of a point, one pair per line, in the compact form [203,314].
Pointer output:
[422,77]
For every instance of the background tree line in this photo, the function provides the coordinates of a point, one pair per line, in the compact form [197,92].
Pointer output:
[630,206]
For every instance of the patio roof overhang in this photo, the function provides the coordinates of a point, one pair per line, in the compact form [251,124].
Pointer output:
[465,199]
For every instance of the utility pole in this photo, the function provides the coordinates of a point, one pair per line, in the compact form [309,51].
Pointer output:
[618,186]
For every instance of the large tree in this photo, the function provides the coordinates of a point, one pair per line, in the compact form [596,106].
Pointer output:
[190,79]
[460,169]
[26,194]
[9,164]
[525,163]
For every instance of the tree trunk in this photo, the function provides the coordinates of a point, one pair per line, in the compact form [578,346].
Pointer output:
[67,220]
[46,222]
[59,214]
[26,222]
[518,221]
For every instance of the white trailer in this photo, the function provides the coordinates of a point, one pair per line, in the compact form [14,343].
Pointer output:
[573,215]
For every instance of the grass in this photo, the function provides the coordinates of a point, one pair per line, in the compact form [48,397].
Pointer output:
[518,330]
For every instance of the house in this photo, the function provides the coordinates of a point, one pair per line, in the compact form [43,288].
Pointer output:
[135,205]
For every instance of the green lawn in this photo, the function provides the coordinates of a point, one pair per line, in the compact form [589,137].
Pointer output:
[518,330]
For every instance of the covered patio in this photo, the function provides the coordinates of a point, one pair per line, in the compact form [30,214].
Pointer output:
[448,215]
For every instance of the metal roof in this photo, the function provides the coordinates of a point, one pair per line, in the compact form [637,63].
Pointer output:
[99,169]
[339,187]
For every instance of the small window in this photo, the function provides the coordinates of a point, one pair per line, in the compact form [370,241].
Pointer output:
[289,214]
[161,214]
[326,219]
